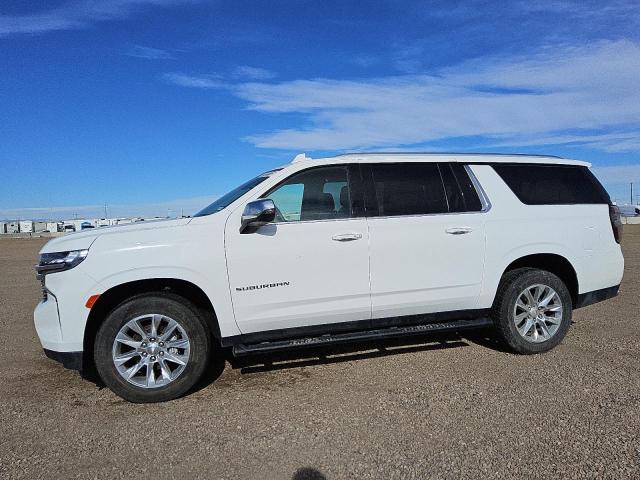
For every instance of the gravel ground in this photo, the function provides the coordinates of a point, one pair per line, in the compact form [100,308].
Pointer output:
[444,407]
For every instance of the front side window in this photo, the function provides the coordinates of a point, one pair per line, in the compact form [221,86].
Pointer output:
[316,194]
[408,189]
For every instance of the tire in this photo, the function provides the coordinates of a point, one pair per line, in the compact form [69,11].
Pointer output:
[189,342]
[510,321]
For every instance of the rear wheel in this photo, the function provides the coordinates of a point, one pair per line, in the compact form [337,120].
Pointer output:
[152,348]
[532,311]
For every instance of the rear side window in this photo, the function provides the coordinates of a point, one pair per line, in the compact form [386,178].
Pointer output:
[408,189]
[552,184]
[461,194]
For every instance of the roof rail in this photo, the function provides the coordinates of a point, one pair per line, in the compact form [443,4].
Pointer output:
[301,157]
[467,154]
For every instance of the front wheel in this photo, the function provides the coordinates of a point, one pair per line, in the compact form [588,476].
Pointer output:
[152,348]
[532,311]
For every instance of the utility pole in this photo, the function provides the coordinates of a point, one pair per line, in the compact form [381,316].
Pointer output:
[631,202]
[105,211]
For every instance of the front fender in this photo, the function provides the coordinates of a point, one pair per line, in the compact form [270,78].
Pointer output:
[227,323]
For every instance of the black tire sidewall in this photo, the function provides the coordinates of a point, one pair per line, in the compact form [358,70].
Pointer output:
[503,315]
[172,306]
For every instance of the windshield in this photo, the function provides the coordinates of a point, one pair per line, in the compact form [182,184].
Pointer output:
[227,199]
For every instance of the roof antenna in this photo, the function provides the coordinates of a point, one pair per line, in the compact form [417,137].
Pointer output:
[301,157]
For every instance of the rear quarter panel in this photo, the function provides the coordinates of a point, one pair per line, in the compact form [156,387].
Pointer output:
[580,233]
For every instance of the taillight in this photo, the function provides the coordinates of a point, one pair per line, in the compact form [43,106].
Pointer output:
[616,222]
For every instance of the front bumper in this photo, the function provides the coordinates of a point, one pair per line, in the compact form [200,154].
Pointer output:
[46,318]
[47,321]
[70,360]
[61,316]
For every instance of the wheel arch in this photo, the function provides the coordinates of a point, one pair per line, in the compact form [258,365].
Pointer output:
[551,262]
[112,297]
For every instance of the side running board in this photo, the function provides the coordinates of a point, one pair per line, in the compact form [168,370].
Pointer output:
[362,335]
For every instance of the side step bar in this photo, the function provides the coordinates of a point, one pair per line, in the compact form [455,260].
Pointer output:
[362,335]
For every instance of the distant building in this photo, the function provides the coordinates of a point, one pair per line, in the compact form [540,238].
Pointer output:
[629,210]
[39,227]
[26,226]
[53,227]
[66,226]
[104,222]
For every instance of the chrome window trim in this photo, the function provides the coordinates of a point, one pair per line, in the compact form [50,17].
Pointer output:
[426,215]
[484,199]
[484,202]
[296,222]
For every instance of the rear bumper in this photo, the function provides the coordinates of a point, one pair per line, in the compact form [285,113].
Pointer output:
[70,360]
[589,298]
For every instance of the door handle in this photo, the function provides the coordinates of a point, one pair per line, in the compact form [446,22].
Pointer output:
[346,237]
[458,230]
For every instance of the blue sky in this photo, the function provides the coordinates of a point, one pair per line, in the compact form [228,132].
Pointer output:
[156,105]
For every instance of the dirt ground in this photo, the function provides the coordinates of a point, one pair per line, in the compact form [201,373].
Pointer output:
[444,407]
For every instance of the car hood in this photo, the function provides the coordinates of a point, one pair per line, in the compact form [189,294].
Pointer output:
[84,239]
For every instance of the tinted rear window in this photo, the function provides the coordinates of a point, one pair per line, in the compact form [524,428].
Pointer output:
[461,194]
[408,189]
[552,184]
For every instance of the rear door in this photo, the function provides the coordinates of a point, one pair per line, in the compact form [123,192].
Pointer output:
[426,234]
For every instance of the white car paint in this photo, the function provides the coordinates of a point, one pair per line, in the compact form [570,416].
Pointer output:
[410,274]
[324,280]
[397,266]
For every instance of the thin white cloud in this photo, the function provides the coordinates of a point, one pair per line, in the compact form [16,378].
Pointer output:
[609,142]
[214,80]
[572,12]
[581,8]
[150,53]
[593,89]
[75,14]
[246,72]
[619,174]
[188,206]
[364,60]
[194,81]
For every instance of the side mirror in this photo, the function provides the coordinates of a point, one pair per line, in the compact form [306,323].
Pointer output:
[258,213]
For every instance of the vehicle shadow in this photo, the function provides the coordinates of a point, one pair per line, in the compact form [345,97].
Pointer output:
[323,355]
[308,473]
[486,338]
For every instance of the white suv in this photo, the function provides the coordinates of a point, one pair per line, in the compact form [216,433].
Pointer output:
[354,247]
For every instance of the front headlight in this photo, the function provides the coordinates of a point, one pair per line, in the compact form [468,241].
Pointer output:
[60,261]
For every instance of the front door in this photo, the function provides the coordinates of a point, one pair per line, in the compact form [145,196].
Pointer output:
[311,265]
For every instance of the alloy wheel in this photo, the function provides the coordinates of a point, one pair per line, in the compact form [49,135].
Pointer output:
[537,314]
[151,350]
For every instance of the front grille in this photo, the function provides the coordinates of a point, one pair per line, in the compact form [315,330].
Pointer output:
[43,287]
